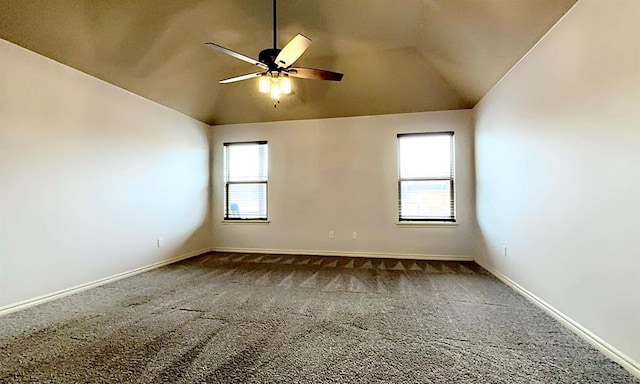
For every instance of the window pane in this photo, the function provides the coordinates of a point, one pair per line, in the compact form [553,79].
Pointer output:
[426,200]
[246,162]
[247,201]
[425,155]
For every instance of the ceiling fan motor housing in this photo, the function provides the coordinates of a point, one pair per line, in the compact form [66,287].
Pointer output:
[268,57]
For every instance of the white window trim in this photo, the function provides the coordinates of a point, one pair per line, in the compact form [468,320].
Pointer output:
[430,222]
[233,222]
[442,224]
[226,220]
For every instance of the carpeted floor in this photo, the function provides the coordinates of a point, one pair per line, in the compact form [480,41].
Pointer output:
[240,318]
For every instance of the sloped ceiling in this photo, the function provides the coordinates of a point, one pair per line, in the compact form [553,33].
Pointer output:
[397,55]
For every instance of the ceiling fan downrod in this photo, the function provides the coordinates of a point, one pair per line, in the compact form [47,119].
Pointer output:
[275,45]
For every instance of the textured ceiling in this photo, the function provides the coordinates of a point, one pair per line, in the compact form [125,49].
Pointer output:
[397,55]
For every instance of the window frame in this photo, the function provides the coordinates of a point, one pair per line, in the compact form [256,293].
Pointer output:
[452,184]
[227,210]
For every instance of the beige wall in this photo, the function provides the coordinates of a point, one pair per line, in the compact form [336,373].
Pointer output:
[558,171]
[90,176]
[341,175]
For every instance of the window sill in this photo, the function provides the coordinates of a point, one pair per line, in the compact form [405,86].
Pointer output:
[442,224]
[245,221]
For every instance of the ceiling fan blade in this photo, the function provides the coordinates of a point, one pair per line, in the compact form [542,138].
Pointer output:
[240,78]
[237,55]
[292,51]
[315,74]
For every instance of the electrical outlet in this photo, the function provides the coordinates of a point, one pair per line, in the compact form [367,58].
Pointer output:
[160,242]
[504,251]
[331,234]
[354,235]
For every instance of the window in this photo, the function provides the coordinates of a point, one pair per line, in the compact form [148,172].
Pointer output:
[426,187]
[245,180]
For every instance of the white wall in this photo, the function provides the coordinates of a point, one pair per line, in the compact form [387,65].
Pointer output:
[90,176]
[558,171]
[341,175]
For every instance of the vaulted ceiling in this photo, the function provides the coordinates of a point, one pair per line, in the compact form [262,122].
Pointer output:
[397,55]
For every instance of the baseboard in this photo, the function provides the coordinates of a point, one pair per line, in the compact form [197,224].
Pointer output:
[410,256]
[610,351]
[82,287]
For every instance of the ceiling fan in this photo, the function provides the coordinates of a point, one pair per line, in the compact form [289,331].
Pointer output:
[276,65]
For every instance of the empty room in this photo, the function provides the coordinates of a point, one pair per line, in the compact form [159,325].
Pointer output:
[320,191]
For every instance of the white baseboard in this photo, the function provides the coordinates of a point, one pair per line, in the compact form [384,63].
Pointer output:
[411,256]
[610,351]
[82,287]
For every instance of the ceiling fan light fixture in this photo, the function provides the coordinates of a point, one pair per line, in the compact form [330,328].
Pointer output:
[275,91]
[285,85]
[276,65]
[264,84]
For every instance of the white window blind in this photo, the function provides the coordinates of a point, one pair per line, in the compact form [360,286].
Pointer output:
[426,186]
[246,168]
